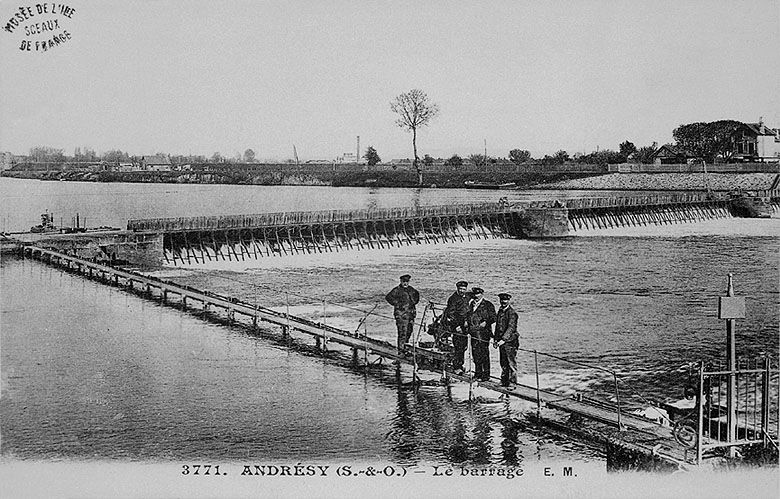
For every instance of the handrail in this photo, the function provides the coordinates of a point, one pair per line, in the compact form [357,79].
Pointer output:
[590,366]
[312,217]
[335,216]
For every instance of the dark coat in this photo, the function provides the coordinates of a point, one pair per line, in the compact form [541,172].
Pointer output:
[486,313]
[506,326]
[404,301]
[457,310]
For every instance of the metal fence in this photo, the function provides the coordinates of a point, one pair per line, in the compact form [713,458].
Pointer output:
[735,406]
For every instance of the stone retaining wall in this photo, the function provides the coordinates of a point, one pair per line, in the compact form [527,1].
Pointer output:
[670,182]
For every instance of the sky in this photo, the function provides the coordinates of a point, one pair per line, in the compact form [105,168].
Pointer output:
[200,77]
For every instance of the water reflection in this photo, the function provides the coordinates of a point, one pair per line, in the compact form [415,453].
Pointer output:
[509,443]
[403,435]
[430,425]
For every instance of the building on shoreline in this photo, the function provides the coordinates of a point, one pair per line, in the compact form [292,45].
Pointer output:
[757,143]
[156,163]
[6,160]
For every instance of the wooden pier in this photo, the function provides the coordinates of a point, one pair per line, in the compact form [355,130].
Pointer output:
[628,431]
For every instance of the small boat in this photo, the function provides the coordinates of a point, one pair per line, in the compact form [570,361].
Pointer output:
[490,185]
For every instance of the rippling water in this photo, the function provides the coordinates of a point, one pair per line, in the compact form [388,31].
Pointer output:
[92,372]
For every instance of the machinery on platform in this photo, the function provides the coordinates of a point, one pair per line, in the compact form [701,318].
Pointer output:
[46,225]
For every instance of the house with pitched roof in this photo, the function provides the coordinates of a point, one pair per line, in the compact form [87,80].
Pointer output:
[671,154]
[156,163]
[756,142]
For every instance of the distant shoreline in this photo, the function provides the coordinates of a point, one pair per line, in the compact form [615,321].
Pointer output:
[401,178]
[450,180]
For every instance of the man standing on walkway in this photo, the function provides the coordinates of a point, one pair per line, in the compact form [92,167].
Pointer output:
[455,316]
[506,340]
[482,315]
[404,299]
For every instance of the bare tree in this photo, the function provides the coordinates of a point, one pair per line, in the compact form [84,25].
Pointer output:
[414,110]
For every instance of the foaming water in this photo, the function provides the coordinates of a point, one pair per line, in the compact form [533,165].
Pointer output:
[741,227]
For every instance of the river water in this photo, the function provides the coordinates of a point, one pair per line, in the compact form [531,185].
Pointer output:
[91,372]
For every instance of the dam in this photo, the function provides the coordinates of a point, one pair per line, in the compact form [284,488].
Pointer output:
[196,240]
[235,238]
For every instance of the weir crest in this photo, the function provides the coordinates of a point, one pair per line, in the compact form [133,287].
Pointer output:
[228,238]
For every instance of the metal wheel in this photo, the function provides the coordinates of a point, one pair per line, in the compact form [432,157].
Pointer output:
[685,434]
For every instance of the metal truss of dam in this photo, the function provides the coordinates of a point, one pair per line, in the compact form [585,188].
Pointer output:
[202,239]
[194,240]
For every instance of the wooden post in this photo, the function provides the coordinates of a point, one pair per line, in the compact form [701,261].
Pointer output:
[617,399]
[538,395]
[731,308]
[700,418]
[287,309]
[765,377]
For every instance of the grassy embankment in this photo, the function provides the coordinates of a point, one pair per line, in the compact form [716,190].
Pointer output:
[408,178]
[384,178]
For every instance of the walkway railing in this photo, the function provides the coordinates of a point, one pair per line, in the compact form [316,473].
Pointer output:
[577,363]
[338,216]
[309,217]
[654,200]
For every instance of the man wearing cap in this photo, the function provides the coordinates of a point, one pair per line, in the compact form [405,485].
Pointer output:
[506,339]
[481,316]
[404,299]
[455,316]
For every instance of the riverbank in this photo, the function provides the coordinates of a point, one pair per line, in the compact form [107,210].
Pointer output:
[354,178]
[443,179]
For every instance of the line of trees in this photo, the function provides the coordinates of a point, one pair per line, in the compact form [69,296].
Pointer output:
[627,152]
[708,140]
[46,154]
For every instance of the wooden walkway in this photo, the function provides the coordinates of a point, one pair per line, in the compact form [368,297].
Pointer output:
[637,433]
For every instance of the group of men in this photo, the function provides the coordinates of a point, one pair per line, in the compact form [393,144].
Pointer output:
[468,315]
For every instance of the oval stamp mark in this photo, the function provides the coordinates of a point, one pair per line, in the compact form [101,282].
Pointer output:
[42,25]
